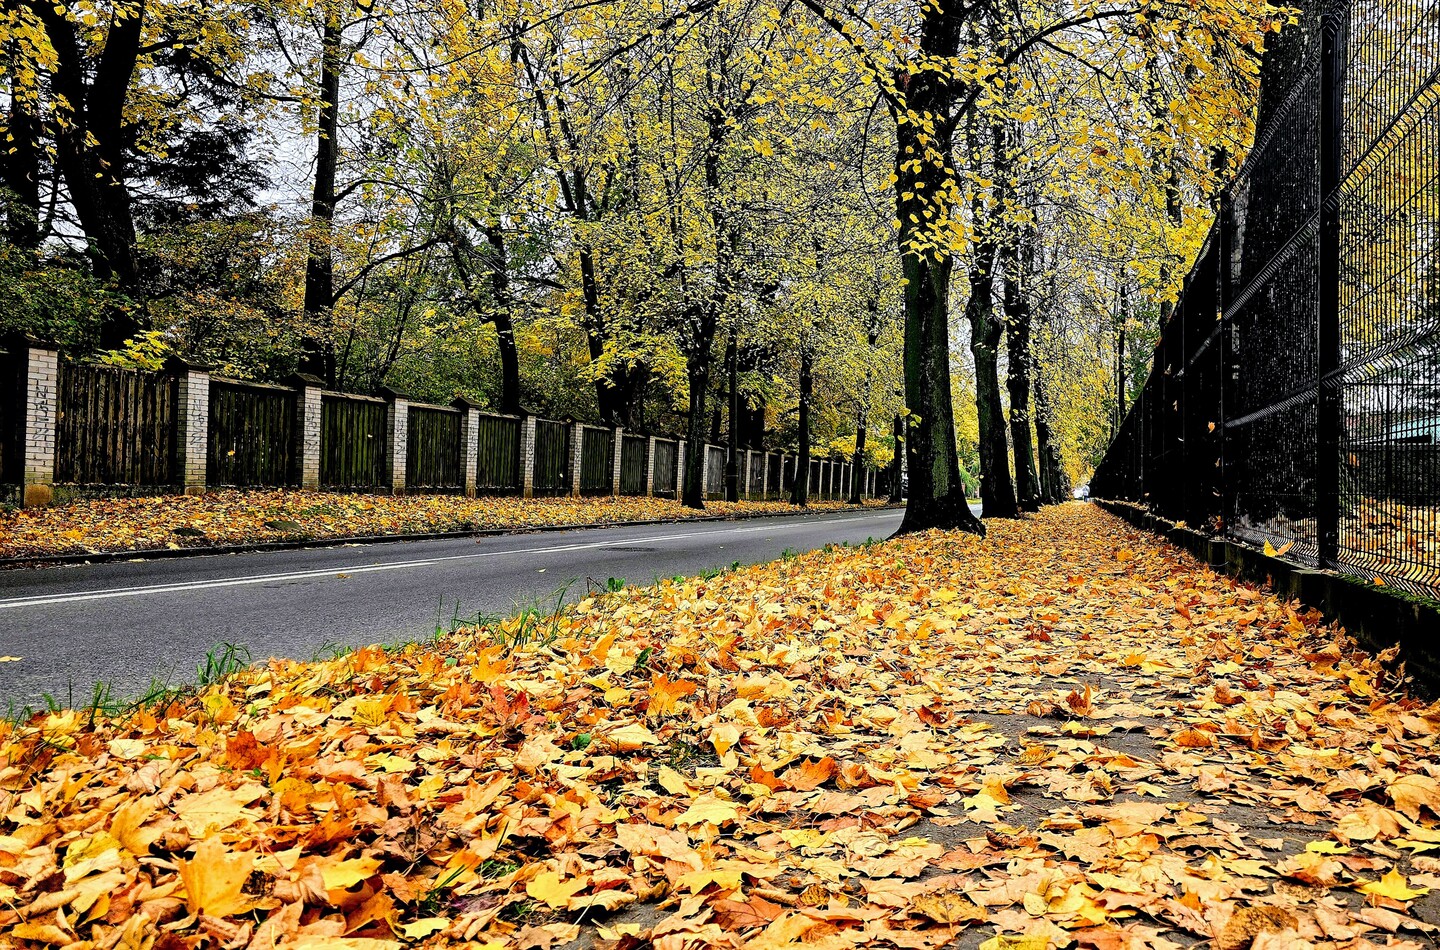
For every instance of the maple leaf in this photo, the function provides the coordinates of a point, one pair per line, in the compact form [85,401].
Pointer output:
[550,887]
[1411,793]
[214,879]
[1394,886]
[665,695]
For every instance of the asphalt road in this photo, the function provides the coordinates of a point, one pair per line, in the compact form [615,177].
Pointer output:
[124,623]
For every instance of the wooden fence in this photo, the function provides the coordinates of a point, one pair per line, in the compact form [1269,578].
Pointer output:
[353,441]
[497,455]
[251,437]
[114,426]
[552,458]
[667,453]
[12,418]
[432,449]
[597,461]
[634,464]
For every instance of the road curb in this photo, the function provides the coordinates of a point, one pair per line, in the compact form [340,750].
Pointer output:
[158,554]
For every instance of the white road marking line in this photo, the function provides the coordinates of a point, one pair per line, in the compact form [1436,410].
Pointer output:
[44,600]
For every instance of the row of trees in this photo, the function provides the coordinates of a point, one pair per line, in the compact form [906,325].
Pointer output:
[659,214]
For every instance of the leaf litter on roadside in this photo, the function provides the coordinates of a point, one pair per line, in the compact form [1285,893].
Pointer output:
[1066,734]
[233,516]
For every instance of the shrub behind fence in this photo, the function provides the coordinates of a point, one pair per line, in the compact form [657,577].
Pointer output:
[115,426]
[251,441]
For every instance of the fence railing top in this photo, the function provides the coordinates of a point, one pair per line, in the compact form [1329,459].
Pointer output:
[355,397]
[432,407]
[251,383]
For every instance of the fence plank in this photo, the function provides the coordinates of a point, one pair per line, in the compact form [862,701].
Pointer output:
[432,458]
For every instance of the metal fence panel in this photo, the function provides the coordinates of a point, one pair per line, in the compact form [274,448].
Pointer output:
[1322,379]
[251,439]
[12,417]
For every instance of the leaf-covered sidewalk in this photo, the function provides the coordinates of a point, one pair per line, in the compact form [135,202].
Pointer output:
[233,517]
[1065,734]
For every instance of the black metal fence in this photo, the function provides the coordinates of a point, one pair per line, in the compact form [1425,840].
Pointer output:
[1295,393]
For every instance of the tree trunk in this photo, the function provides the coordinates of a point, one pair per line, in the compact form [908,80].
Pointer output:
[1017,380]
[897,464]
[1055,484]
[317,355]
[698,370]
[937,495]
[857,463]
[90,150]
[800,491]
[504,324]
[732,452]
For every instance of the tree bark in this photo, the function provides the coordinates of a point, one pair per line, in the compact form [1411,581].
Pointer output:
[1017,379]
[937,494]
[800,491]
[732,452]
[503,320]
[697,366]
[897,463]
[90,150]
[317,355]
[857,462]
[1055,484]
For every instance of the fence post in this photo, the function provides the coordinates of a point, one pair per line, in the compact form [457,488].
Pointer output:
[577,451]
[1229,348]
[616,456]
[469,442]
[307,427]
[764,475]
[40,368]
[650,468]
[1327,364]
[527,456]
[192,422]
[679,485]
[397,434]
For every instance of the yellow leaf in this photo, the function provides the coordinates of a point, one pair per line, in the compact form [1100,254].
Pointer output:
[424,927]
[214,878]
[344,874]
[218,808]
[709,808]
[548,887]
[630,738]
[1394,886]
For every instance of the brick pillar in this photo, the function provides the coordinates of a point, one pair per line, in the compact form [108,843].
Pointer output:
[615,457]
[469,442]
[680,469]
[39,368]
[527,457]
[764,475]
[397,437]
[650,468]
[307,428]
[577,452]
[192,422]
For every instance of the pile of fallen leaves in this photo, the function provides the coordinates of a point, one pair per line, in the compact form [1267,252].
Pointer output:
[244,517]
[1065,734]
